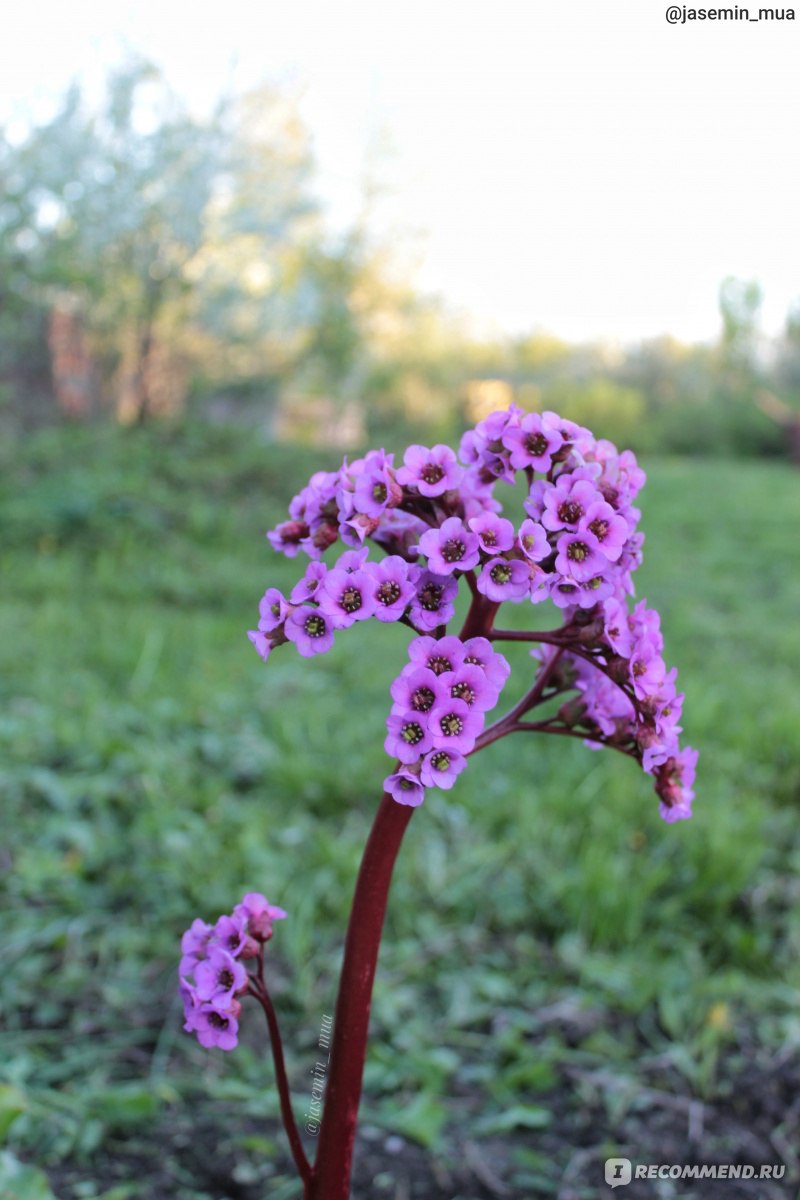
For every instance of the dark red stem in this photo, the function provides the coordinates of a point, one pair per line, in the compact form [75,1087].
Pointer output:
[564,731]
[298,1153]
[554,637]
[479,618]
[566,640]
[331,1173]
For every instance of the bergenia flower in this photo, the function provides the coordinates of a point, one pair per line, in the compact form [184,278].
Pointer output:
[434,602]
[450,547]
[194,945]
[438,654]
[532,541]
[647,667]
[392,589]
[377,489]
[494,533]
[258,915]
[579,556]
[286,538]
[431,471]
[219,977]
[230,933]
[306,588]
[405,788]
[532,444]
[418,689]
[469,683]
[609,529]
[310,629]
[618,634]
[261,642]
[346,597]
[213,1026]
[480,652]
[441,768]
[212,977]
[273,610]
[453,725]
[566,504]
[504,579]
[408,734]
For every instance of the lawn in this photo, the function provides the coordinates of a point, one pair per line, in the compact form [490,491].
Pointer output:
[564,977]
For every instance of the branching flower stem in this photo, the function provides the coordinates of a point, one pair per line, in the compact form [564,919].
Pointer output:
[259,989]
[584,735]
[329,1177]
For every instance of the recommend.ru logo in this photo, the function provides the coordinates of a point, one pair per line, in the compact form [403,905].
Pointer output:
[618,1171]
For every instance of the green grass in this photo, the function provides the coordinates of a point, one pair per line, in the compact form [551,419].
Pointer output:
[153,770]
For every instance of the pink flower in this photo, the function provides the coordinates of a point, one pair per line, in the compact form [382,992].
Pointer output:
[432,472]
[532,444]
[405,788]
[441,768]
[261,642]
[219,977]
[579,556]
[504,579]
[454,726]
[437,654]
[213,1026]
[608,527]
[346,597]
[418,689]
[532,541]
[258,914]
[434,602]
[494,533]
[408,734]
[450,548]
[311,631]
[566,504]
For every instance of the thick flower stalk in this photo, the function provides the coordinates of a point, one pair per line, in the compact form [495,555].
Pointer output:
[436,525]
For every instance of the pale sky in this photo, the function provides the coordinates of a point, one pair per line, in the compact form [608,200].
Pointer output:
[574,165]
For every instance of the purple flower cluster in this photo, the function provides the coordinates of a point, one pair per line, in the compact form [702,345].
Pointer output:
[440,702]
[211,972]
[436,521]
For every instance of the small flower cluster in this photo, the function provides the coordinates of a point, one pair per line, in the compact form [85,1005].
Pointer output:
[211,971]
[440,702]
[437,521]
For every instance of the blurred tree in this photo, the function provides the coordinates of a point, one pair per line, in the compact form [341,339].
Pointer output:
[740,304]
[24,362]
[781,403]
[127,211]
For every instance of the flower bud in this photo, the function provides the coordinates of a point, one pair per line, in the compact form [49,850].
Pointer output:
[250,948]
[592,632]
[571,712]
[618,669]
[646,736]
[325,536]
[260,926]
